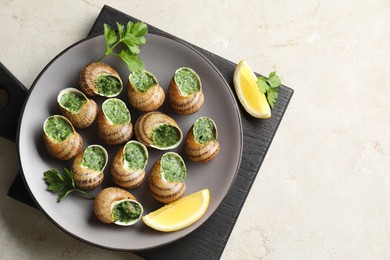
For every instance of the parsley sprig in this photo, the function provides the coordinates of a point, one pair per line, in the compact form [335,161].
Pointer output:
[270,87]
[133,36]
[63,184]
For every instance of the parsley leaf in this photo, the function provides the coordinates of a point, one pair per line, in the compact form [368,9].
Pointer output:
[270,87]
[262,84]
[133,36]
[133,62]
[62,184]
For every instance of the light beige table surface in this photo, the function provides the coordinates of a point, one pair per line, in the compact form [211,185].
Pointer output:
[323,191]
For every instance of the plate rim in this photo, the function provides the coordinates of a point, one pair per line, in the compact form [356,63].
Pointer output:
[31,89]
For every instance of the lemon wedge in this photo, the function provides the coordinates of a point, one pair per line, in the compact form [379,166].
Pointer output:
[179,214]
[245,84]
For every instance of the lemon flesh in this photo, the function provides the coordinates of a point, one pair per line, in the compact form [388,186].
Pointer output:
[245,84]
[179,214]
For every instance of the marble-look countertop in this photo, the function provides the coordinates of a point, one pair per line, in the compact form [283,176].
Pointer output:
[323,191]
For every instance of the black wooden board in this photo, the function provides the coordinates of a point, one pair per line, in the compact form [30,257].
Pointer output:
[209,240]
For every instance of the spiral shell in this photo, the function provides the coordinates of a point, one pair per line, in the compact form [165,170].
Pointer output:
[85,176]
[150,123]
[163,190]
[180,102]
[64,148]
[84,115]
[124,170]
[148,100]
[202,151]
[91,74]
[114,132]
[107,199]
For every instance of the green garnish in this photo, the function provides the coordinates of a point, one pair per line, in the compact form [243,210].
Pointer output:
[116,111]
[165,135]
[58,128]
[72,101]
[132,37]
[270,87]
[187,81]
[63,184]
[108,85]
[204,130]
[135,156]
[126,211]
[142,80]
[173,168]
[94,158]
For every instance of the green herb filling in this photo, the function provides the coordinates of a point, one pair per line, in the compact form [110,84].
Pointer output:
[58,128]
[173,168]
[187,81]
[204,130]
[142,80]
[126,211]
[72,101]
[94,158]
[165,135]
[108,85]
[116,111]
[135,156]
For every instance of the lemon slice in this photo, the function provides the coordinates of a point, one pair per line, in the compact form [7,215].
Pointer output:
[179,214]
[245,83]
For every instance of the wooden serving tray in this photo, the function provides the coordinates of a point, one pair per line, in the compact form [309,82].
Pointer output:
[208,241]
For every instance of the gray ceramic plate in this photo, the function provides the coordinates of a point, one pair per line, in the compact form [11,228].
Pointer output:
[161,56]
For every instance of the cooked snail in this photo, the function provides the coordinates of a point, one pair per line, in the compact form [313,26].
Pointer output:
[158,130]
[202,140]
[60,138]
[74,105]
[185,91]
[88,167]
[115,205]
[100,79]
[128,166]
[166,180]
[144,92]
[114,122]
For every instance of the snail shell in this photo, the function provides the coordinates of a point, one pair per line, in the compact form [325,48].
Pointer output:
[114,122]
[126,171]
[180,101]
[202,144]
[86,176]
[107,199]
[151,123]
[95,72]
[63,147]
[80,116]
[162,188]
[145,100]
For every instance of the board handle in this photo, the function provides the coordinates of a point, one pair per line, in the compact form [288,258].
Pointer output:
[12,97]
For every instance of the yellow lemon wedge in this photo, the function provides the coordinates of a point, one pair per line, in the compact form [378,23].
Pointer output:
[179,214]
[245,84]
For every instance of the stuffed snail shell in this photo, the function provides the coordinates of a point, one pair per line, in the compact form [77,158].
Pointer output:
[167,176]
[202,140]
[99,78]
[144,92]
[88,167]
[114,122]
[118,206]
[74,105]
[157,130]
[60,138]
[128,166]
[185,91]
